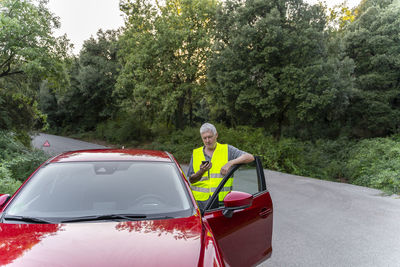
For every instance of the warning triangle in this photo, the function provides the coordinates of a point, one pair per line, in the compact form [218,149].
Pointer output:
[46,144]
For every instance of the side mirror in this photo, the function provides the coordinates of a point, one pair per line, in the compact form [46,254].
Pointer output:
[236,201]
[3,199]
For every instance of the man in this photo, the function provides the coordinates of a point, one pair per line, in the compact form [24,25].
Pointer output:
[210,163]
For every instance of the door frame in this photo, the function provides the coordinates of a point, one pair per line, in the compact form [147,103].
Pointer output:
[260,176]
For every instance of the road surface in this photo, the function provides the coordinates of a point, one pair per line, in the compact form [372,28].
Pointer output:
[58,144]
[316,223]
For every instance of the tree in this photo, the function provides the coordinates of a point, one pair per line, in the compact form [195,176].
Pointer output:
[365,4]
[340,16]
[28,46]
[29,54]
[164,52]
[271,66]
[372,41]
[98,72]
[92,80]
[19,112]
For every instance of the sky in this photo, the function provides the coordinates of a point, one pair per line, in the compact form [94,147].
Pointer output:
[81,19]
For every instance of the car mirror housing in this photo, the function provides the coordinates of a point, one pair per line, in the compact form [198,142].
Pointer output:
[3,199]
[235,201]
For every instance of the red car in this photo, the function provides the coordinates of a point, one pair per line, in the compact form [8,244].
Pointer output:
[120,207]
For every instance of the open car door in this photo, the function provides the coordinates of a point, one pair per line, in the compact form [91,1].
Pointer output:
[242,225]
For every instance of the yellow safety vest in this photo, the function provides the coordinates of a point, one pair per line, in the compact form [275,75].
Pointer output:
[205,187]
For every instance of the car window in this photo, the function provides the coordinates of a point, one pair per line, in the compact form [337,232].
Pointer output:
[245,179]
[96,188]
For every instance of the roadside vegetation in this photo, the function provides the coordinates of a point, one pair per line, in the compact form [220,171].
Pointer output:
[369,162]
[17,160]
[313,91]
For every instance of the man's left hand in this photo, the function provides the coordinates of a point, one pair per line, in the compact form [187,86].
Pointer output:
[225,168]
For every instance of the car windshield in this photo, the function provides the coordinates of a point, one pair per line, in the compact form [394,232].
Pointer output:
[77,189]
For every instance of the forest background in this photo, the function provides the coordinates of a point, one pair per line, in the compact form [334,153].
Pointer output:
[313,91]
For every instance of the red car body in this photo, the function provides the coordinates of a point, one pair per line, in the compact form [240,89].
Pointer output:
[205,238]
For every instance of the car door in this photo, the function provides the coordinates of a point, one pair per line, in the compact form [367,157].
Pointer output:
[244,238]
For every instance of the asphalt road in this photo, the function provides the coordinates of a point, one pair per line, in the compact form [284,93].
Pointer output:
[60,144]
[316,223]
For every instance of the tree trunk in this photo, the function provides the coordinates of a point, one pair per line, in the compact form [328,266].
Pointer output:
[190,108]
[179,116]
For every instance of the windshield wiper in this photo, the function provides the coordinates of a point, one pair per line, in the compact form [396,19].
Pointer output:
[129,217]
[27,219]
[159,217]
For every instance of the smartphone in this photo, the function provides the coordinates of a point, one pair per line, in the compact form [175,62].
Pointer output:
[204,162]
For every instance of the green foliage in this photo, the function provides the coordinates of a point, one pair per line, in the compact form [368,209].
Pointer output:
[89,100]
[17,161]
[271,66]
[372,41]
[284,155]
[163,55]
[178,142]
[7,184]
[326,159]
[375,163]
[340,16]
[22,165]
[29,54]
[370,162]
[97,76]
[125,130]
[301,81]
[365,4]
[19,112]
[28,46]
[9,146]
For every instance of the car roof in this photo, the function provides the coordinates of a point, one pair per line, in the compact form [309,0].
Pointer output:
[113,155]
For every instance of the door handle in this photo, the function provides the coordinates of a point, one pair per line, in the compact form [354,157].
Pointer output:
[265,212]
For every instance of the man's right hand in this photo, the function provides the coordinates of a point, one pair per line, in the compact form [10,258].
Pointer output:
[205,166]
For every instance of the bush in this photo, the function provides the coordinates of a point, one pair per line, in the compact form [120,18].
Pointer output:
[326,159]
[375,163]
[125,129]
[284,155]
[9,146]
[180,143]
[7,184]
[17,161]
[23,165]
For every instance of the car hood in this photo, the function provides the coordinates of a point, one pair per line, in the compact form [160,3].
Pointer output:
[173,242]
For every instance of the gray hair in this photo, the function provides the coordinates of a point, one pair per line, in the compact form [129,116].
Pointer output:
[208,127]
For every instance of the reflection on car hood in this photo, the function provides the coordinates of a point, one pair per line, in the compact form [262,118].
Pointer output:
[173,242]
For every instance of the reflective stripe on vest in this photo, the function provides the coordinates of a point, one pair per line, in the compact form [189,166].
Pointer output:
[206,186]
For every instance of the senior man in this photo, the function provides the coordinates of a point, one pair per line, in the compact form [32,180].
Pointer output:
[210,163]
